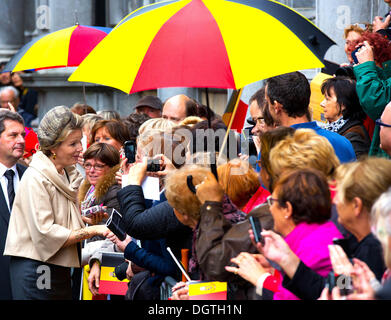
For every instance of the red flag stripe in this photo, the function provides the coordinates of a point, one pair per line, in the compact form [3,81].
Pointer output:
[166,63]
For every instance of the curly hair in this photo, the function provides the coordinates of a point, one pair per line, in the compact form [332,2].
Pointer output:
[381,46]
[352,28]
[178,193]
[304,149]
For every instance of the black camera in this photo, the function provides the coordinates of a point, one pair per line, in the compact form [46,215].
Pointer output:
[153,166]
[116,225]
[346,71]
[120,271]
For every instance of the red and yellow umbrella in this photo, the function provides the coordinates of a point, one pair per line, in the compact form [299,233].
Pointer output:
[204,43]
[63,48]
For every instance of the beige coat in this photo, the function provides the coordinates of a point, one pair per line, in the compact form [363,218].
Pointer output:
[44,214]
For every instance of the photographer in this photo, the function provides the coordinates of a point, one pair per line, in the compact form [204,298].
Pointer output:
[373,74]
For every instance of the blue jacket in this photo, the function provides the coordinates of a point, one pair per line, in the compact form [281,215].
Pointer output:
[153,254]
[342,146]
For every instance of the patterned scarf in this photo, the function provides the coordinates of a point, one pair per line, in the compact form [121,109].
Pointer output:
[336,125]
[89,198]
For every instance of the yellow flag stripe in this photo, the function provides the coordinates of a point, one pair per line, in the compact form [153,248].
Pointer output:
[124,46]
[206,287]
[50,50]
[107,274]
[248,51]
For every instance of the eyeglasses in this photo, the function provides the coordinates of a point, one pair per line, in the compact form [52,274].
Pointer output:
[259,120]
[97,167]
[270,200]
[380,123]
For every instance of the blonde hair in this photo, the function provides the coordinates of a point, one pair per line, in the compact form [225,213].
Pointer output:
[178,193]
[353,28]
[151,130]
[156,124]
[381,222]
[238,180]
[304,149]
[190,121]
[366,179]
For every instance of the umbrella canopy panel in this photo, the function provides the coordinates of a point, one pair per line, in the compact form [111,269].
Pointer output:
[63,48]
[203,43]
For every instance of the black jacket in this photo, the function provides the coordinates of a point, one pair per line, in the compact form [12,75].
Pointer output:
[355,132]
[5,286]
[308,285]
[154,223]
[385,292]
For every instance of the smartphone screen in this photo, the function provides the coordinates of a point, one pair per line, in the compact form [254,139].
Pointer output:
[130,151]
[256,227]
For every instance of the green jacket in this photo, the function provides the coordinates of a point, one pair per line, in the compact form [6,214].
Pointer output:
[374,93]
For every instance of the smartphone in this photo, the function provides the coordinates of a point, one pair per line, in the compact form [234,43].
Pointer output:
[115,224]
[153,166]
[354,55]
[89,212]
[130,151]
[257,228]
[330,281]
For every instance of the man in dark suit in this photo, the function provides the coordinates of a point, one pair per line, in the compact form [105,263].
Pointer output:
[12,142]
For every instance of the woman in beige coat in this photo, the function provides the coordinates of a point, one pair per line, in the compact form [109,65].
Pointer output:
[46,227]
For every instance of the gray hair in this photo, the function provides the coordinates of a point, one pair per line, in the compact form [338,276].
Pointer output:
[109,114]
[381,209]
[6,114]
[10,88]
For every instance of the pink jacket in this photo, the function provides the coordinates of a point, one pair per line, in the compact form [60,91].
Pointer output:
[310,243]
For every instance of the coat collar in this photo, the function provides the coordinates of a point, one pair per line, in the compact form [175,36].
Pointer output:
[42,164]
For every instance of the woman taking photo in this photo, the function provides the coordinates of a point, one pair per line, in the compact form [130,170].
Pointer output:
[46,227]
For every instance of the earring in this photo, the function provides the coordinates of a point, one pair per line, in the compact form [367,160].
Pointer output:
[54,156]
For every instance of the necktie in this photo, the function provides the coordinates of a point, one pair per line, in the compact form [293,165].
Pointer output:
[9,174]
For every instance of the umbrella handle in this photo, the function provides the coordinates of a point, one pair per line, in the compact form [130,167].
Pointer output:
[213,167]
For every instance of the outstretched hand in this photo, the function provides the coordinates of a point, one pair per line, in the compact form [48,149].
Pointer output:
[380,23]
[136,172]
[249,267]
[209,190]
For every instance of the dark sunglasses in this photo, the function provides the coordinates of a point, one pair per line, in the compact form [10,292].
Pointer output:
[380,123]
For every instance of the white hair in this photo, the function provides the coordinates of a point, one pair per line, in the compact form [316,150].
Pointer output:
[382,209]
[10,88]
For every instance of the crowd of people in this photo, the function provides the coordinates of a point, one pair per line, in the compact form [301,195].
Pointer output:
[320,191]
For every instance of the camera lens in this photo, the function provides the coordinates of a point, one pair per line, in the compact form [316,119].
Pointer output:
[120,271]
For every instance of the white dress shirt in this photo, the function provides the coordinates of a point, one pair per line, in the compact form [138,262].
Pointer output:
[4,181]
